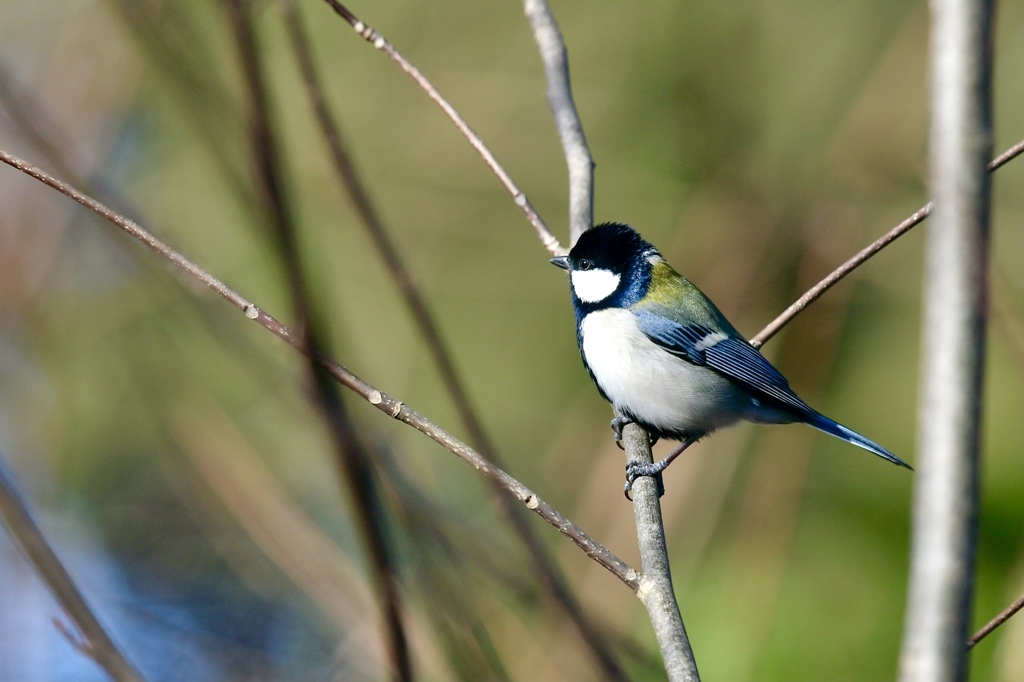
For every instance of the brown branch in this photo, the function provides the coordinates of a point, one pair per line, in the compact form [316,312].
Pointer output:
[354,461]
[390,406]
[545,566]
[370,35]
[379,233]
[1003,616]
[97,643]
[862,256]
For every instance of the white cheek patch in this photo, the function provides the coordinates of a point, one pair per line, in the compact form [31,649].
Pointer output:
[596,285]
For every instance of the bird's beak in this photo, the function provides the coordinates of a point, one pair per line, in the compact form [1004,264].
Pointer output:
[561,261]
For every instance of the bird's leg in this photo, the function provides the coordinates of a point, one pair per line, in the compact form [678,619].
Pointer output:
[635,470]
[618,423]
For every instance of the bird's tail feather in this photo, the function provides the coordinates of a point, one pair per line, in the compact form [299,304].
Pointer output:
[826,425]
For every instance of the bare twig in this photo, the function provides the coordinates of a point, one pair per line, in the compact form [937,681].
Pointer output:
[815,292]
[1004,158]
[354,462]
[371,36]
[1003,616]
[390,406]
[656,590]
[380,235]
[866,253]
[97,643]
[567,120]
[944,539]
[550,576]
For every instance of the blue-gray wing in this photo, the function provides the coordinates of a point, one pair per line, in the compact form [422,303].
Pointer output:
[730,355]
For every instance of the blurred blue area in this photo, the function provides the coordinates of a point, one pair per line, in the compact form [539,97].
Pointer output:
[170,631]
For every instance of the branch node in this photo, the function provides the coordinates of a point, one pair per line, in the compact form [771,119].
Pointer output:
[396,408]
[252,312]
[644,588]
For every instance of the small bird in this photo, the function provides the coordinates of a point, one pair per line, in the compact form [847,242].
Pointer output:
[665,357]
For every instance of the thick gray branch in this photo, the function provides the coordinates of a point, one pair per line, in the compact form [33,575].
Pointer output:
[946,493]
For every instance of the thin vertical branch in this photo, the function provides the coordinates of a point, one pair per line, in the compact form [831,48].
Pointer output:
[98,645]
[567,120]
[547,570]
[656,591]
[946,492]
[355,463]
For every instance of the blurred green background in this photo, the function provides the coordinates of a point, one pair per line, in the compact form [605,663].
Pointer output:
[171,449]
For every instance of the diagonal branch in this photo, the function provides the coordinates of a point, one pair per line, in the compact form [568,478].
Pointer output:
[355,463]
[989,627]
[371,36]
[97,645]
[815,292]
[550,575]
[390,406]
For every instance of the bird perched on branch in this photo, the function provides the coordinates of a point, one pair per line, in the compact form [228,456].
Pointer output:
[665,357]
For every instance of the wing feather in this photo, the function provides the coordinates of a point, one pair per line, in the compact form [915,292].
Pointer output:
[722,352]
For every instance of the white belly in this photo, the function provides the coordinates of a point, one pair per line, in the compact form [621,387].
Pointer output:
[651,384]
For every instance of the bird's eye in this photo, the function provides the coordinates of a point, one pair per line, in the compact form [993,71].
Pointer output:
[583,264]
